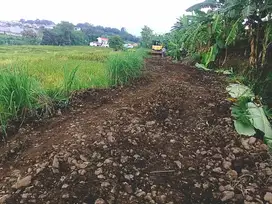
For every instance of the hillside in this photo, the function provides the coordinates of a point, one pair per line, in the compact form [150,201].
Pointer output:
[34,31]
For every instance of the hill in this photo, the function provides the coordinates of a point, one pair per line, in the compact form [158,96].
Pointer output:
[48,33]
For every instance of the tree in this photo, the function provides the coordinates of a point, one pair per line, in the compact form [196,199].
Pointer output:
[116,42]
[147,35]
[30,36]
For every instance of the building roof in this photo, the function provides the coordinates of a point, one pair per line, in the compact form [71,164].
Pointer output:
[103,38]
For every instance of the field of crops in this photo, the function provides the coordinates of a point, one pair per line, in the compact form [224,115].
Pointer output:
[48,64]
[35,77]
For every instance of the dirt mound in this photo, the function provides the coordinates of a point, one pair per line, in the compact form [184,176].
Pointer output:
[166,138]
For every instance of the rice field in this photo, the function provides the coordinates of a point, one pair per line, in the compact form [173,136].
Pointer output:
[37,77]
[49,63]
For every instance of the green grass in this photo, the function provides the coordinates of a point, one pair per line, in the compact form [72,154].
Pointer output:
[36,77]
[124,66]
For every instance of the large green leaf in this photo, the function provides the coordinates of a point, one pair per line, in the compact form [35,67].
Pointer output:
[244,129]
[239,90]
[260,121]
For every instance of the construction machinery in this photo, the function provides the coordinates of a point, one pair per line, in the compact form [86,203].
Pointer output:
[156,47]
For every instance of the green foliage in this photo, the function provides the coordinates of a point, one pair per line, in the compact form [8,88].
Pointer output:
[19,95]
[146,37]
[116,43]
[66,33]
[125,66]
[46,76]
[17,40]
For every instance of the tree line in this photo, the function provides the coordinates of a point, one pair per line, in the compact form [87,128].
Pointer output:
[65,33]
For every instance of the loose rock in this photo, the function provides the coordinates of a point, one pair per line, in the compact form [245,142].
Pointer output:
[99,201]
[268,197]
[227,195]
[4,198]
[23,182]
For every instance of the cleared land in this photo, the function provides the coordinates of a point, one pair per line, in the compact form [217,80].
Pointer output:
[167,138]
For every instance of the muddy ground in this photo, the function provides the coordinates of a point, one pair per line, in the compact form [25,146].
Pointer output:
[166,138]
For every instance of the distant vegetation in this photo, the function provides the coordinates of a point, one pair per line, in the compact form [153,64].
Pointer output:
[65,33]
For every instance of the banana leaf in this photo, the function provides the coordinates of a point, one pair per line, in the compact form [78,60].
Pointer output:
[238,90]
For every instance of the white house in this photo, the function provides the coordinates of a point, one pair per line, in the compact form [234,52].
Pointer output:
[103,41]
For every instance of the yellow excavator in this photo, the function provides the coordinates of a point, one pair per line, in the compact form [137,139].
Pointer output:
[156,47]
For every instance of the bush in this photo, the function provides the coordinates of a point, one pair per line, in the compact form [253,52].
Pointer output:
[116,43]
[125,66]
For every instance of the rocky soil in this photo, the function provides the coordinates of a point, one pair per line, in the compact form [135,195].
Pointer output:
[167,138]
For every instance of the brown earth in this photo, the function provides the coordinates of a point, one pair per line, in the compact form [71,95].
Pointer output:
[166,138]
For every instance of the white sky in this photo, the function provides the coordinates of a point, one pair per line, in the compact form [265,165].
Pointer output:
[160,15]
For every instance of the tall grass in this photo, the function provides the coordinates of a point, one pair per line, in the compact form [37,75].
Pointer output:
[19,94]
[124,66]
[33,86]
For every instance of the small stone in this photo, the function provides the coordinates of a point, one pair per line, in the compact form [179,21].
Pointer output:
[124,159]
[226,164]
[268,171]
[227,195]
[64,186]
[245,171]
[221,188]
[150,123]
[83,158]
[128,188]
[101,176]
[268,197]
[23,182]
[129,176]
[205,186]
[217,156]
[178,163]
[249,198]
[162,199]
[82,171]
[245,143]
[263,165]
[55,163]
[65,196]
[141,194]
[229,188]
[148,197]
[107,161]
[111,139]
[83,165]
[263,147]
[252,140]
[105,184]
[24,195]
[232,174]
[217,170]
[203,153]
[98,171]
[29,170]
[236,150]
[197,185]
[4,198]
[163,155]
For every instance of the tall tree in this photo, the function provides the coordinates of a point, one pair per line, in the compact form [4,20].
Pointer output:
[146,35]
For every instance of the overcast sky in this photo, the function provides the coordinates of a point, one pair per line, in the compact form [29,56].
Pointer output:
[160,15]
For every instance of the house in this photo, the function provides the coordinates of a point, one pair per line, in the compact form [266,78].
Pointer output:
[103,41]
[93,44]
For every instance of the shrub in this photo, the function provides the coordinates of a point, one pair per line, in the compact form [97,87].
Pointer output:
[124,66]
[116,43]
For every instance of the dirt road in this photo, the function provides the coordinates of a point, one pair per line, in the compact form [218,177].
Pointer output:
[166,138]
